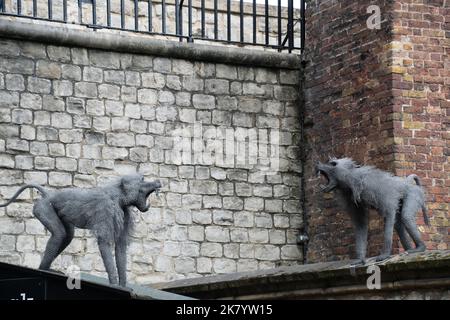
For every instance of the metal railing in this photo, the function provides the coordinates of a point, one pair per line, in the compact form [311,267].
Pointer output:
[271,26]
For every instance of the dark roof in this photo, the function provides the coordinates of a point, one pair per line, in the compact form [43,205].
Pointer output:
[22,283]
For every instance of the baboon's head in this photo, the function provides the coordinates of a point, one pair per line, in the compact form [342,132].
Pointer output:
[335,171]
[136,190]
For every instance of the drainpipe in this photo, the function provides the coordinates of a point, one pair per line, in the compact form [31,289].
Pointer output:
[303,237]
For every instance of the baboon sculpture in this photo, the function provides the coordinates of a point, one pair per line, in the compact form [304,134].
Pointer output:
[104,210]
[396,199]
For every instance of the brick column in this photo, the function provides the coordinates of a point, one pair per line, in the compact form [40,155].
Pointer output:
[421,104]
[366,98]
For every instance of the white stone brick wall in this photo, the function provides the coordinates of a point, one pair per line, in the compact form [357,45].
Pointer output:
[76,117]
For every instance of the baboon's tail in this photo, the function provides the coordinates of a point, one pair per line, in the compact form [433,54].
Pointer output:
[43,192]
[415,178]
[424,208]
[425,215]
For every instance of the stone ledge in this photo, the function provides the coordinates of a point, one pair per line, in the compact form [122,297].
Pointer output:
[423,271]
[78,36]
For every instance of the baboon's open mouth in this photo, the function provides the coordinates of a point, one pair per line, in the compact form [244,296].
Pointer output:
[156,191]
[325,179]
[147,199]
[323,175]
[154,187]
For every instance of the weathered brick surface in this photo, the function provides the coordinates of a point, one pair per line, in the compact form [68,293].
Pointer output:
[381,97]
[421,103]
[77,117]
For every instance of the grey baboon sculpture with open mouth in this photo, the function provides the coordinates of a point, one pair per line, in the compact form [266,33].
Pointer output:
[395,198]
[104,210]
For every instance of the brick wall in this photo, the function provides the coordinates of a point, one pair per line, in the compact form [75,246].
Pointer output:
[381,97]
[348,107]
[421,90]
[79,117]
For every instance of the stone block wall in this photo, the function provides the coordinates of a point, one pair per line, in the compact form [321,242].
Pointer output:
[77,117]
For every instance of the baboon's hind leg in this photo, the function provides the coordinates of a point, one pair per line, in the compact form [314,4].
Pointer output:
[45,213]
[403,234]
[408,216]
[70,230]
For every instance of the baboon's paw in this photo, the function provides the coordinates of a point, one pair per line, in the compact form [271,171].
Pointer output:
[382,257]
[56,271]
[418,249]
[358,262]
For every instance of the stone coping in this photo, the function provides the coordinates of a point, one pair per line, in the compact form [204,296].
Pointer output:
[129,42]
[430,269]
[131,291]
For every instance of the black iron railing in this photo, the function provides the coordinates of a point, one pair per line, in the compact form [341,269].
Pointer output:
[273,26]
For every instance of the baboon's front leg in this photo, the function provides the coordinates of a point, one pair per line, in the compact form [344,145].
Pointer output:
[121,260]
[108,260]
[360,221]
[389,222]
[70,231]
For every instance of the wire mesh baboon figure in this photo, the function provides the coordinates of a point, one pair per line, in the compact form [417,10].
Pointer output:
[396,199]
[104,210]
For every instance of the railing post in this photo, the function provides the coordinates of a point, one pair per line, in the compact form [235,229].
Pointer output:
[163,15]
[279,25]
[108,13]
[266,21]
[254,21]
[180,21]
[150,13]
[177,17]
[65,10]
[50,9]
[229,20]
[290,25]
[190,39]
[216,32]
[34,7]
[122,14]
[80,12]
[94,12]
[303,25]
[241,20]
[203,18]
[136,15]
